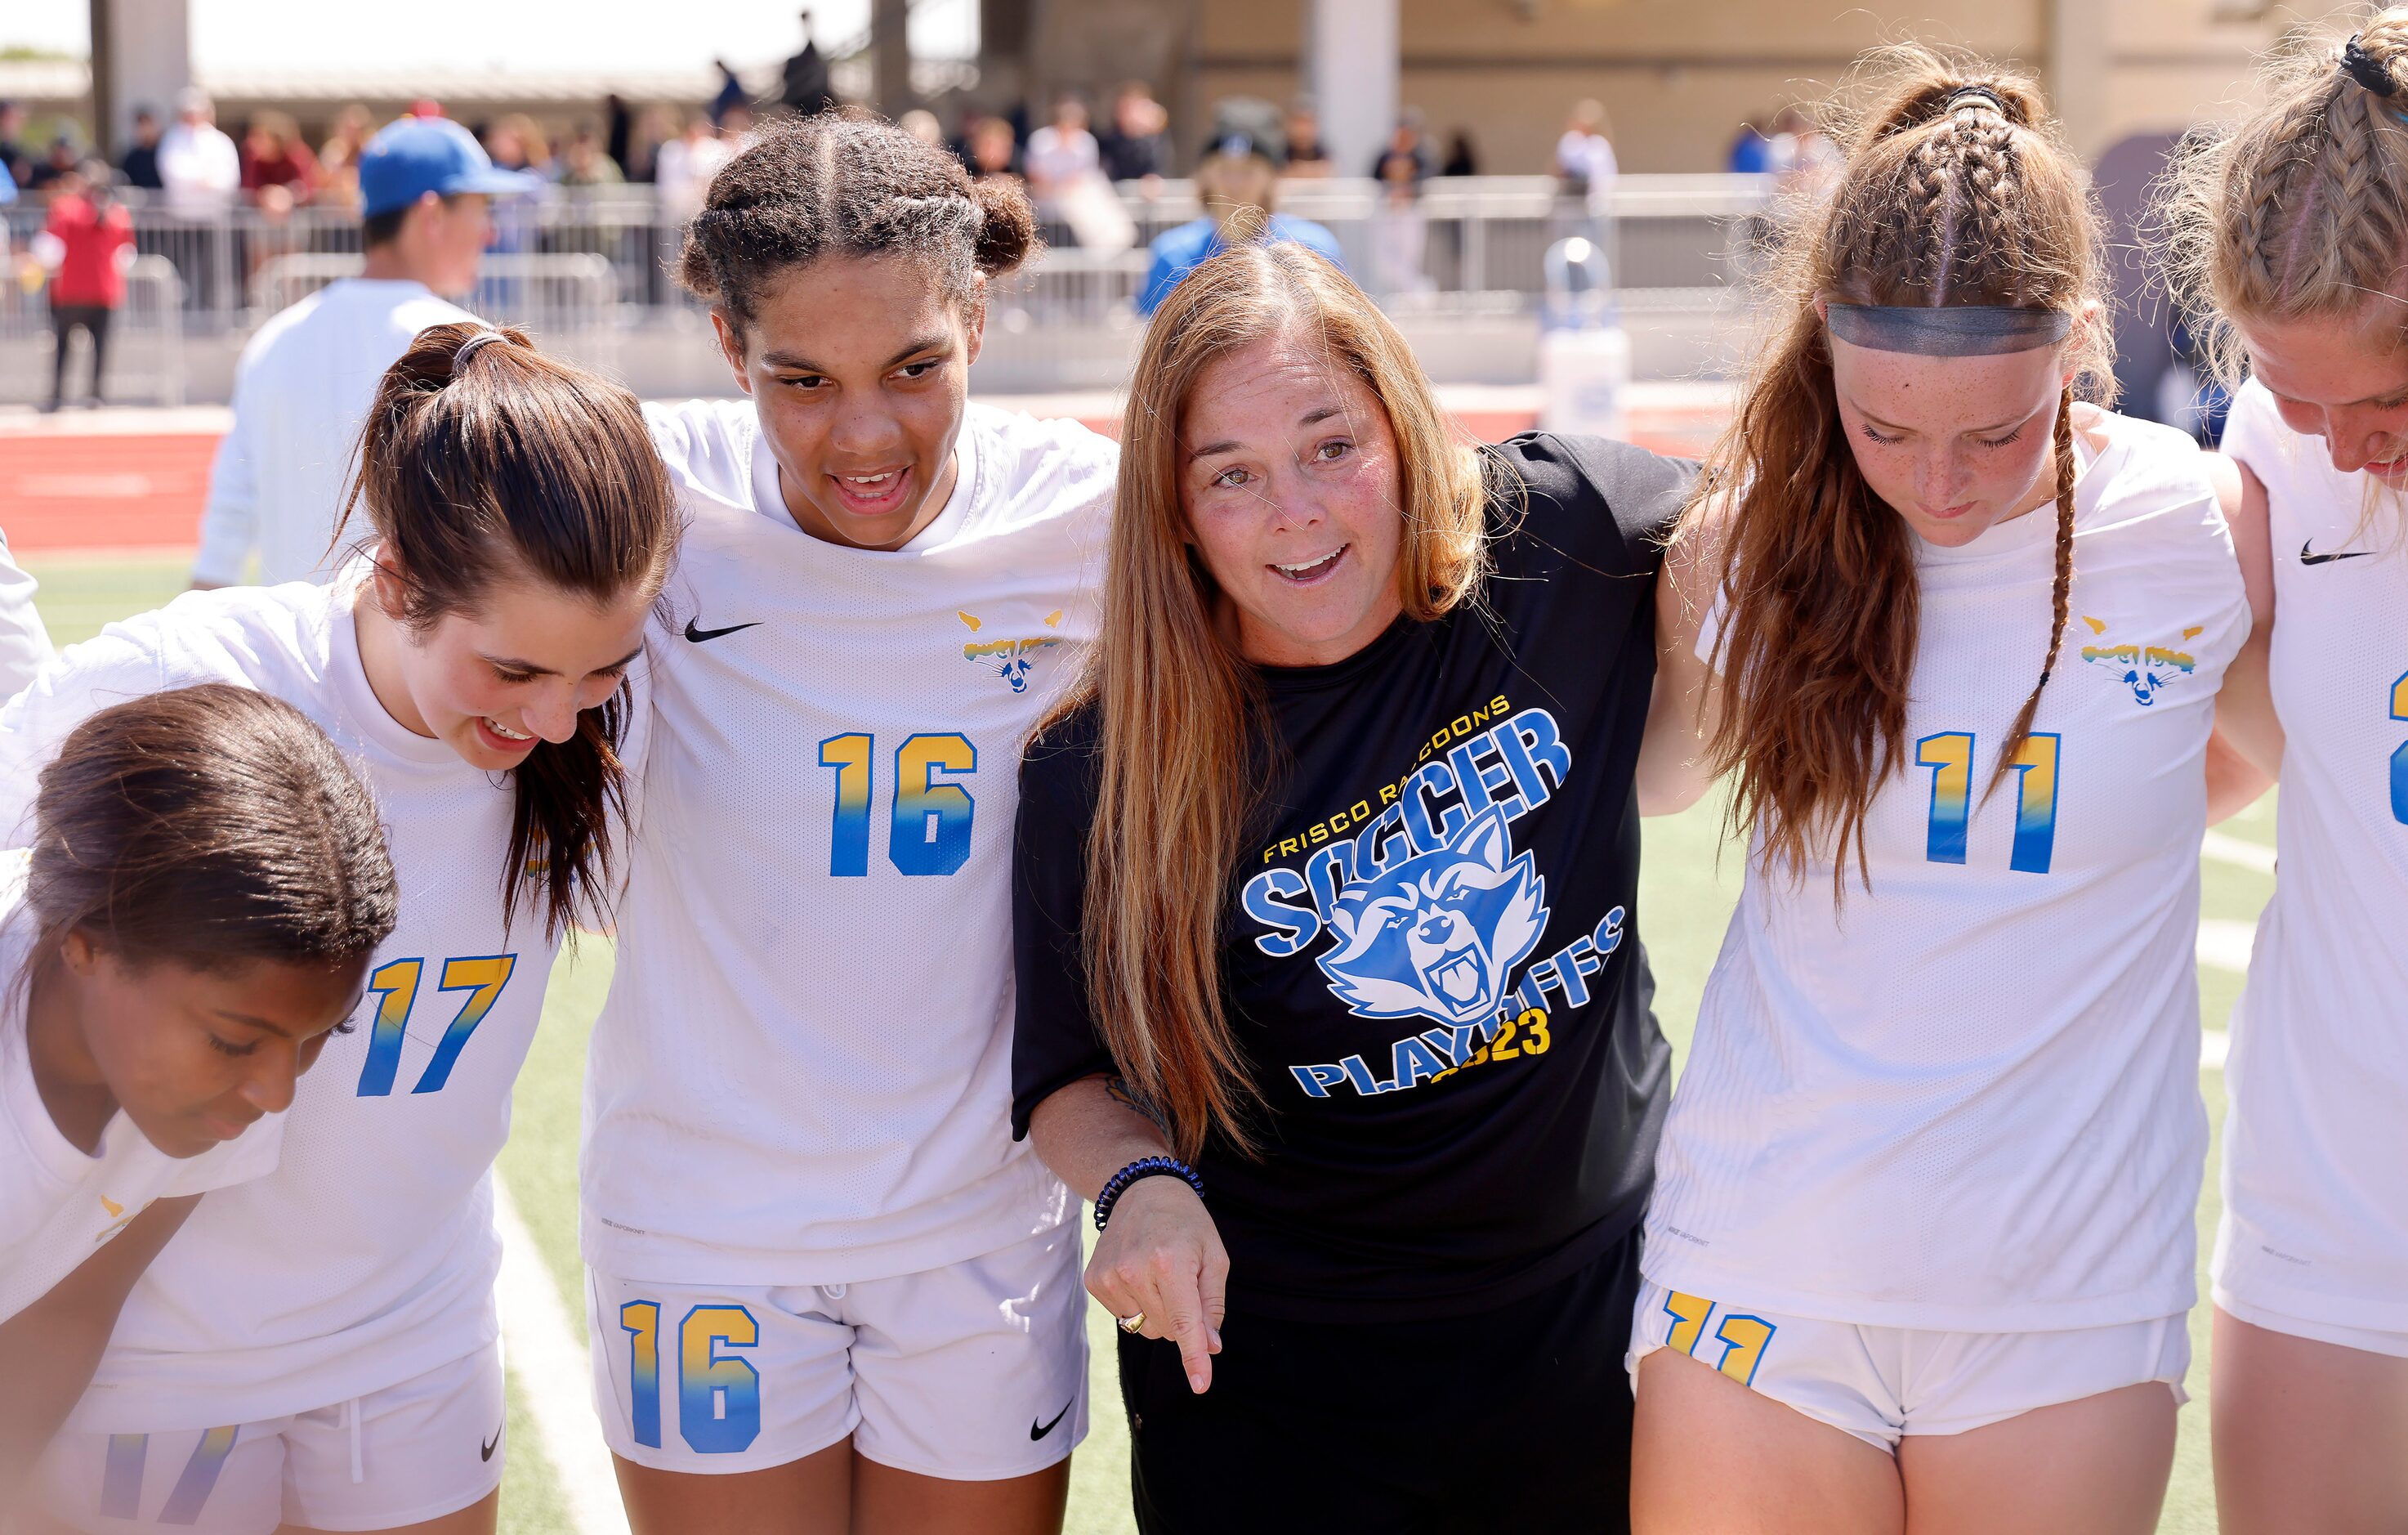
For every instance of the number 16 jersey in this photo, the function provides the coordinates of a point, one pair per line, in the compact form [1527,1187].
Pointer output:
[802,1075]
[1966,1099]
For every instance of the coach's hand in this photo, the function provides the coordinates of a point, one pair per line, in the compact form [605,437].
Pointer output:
[1160,1255]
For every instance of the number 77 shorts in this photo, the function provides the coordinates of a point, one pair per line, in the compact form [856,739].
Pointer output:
[1882,1383]
[972,1372]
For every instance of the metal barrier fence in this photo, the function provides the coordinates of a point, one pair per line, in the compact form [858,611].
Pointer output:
[145,340]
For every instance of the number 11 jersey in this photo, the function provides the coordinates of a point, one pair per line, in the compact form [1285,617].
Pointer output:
[802,1075]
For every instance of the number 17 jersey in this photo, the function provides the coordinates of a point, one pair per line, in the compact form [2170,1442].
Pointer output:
[802,1075]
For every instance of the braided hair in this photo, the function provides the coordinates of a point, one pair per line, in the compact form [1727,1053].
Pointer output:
[2299,212]
[849,183]
[1956,192]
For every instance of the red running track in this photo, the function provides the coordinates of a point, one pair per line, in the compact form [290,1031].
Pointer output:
[113,491]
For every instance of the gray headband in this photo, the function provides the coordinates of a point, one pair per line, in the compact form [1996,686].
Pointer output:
[1955,330]
[469,347]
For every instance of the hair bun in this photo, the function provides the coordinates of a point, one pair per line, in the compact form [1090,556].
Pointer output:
[1007,233]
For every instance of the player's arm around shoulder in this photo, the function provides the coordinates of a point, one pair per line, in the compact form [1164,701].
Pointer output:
[49,1351]
[1675,757]
[2245,754]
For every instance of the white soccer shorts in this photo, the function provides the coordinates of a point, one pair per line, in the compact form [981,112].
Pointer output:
[429,1447]
[972,1372]
[1882,1383]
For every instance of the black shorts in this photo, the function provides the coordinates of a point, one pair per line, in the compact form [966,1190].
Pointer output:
[1513,1419]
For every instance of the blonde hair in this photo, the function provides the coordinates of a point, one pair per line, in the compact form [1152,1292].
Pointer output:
[1956,190]
[1184,756]
[2298,211]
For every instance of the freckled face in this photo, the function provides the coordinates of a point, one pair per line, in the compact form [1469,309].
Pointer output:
[1292,494]
[2344,382]
[492,683]
[1955,445]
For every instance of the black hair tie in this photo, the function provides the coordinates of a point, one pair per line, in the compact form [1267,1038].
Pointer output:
[1969,95]
[2368,70]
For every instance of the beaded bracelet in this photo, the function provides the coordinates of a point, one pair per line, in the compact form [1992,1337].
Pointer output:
[1144,1167]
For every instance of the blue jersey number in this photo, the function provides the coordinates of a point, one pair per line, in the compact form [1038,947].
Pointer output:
[121,1477]
[1950,757]
[2399,756]
[719,1396]
[394,985]
[929,829]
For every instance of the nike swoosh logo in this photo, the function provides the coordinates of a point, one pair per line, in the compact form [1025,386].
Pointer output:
[699,636]
[2307,558]
[485,1451]
[1035,1433]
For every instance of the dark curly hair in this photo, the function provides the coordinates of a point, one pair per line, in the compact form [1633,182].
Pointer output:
[849,183]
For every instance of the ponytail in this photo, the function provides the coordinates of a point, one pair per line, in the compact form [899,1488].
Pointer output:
[484,462]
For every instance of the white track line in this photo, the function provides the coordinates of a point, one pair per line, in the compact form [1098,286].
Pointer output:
[2239,852]
[547,1357]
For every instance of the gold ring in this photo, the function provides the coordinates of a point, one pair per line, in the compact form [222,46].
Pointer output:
[1132,1323]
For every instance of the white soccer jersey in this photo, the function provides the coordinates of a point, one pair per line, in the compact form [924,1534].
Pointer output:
[2315,1147]
[368,1256]
[58,1204]
[802,1075]
[1968,1099]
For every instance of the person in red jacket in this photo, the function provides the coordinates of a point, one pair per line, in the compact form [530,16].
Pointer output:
[94,234]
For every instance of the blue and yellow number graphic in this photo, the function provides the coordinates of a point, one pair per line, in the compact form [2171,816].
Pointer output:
[1950,757]
[483,976]
[121,1477]
[641,1321]
[848,838]
[1742,1337]
[2400,757]
[930,830]
[1688,1313]
[719,1396]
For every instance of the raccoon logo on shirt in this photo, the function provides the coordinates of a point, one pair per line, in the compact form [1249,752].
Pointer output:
[1435,935]
[2146,669]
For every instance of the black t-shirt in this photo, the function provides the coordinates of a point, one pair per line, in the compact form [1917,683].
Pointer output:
[1431,953]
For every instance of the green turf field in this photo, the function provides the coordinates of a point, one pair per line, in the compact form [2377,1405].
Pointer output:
[1689,882]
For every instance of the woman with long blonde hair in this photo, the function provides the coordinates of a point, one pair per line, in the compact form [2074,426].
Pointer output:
[1330,992]
[1924,1212]
[2292,232]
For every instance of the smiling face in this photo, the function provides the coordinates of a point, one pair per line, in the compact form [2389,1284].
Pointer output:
[519,669]
[2346,382]
[1955,445]
[859,368]
[1291,490]
[195,1056]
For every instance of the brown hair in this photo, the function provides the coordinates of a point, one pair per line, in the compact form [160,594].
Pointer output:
[208,826]
[849,183]
[2299,212]
[515,465]
[1956,190]
[1183,758]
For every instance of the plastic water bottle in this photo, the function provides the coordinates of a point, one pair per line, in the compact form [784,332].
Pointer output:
[1584,351]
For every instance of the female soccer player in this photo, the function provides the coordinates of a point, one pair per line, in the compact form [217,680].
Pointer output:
[826,1287]
[2295,233]
[319,1347]
[1924,1216]
[1330,991]
[206,885]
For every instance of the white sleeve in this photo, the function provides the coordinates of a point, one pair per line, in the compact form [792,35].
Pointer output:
[73,686]
[24,643]
[230,521]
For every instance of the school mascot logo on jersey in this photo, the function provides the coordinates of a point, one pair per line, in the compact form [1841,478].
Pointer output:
[1012,659]
[2146,669]
[1435,935]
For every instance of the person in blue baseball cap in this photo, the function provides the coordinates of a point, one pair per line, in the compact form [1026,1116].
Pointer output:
[305,382]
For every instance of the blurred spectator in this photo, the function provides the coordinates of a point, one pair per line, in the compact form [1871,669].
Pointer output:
[305,381]
[277,169]
[922,124]
[1751,153]
[339,159]
[1803,155]
[806,88]
[993,149]
[426,107]
[56,167]
[1136,144]
[583,163]
[199,167]
[736,128]
[1585,162]
[1061,152]
[515,143]
[685,166]
[731,96]
[140,166]
[1307,156]
[87,243]
[1399,234]
[1461,158]
[619,132]
[1239,185]
[13,158]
